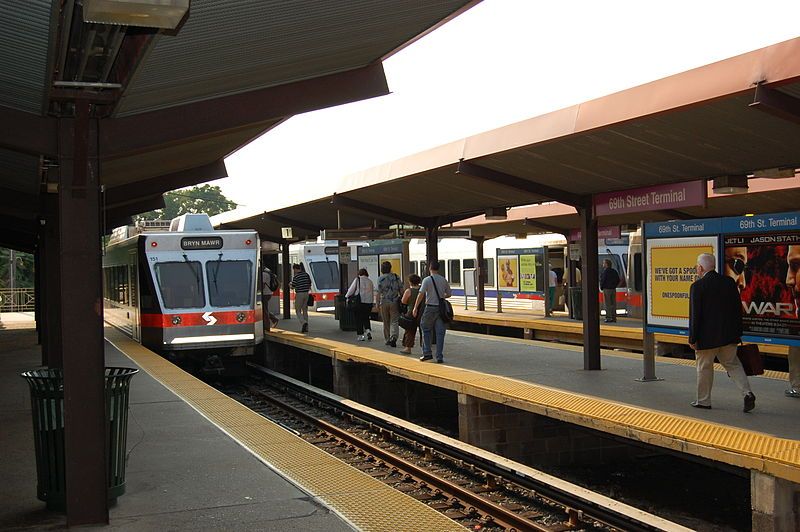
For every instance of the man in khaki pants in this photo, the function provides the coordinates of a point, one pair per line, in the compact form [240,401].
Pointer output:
[715,328]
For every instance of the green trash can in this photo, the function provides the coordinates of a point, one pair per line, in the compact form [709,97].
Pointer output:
[347,318]
[47,406]
[575,303]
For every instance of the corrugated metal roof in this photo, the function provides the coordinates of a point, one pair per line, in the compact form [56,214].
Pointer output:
[24,38]
[19,171]
[232,46]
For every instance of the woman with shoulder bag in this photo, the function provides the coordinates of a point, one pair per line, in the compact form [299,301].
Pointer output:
[362,292]
[408,299]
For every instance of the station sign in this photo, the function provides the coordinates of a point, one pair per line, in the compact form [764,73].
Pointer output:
[201,242]
[608,231]
[699,227]
[659,197]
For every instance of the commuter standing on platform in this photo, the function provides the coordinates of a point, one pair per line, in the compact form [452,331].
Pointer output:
[609,280]
[432,289]
[389,289]
[301,283]
[551,288]
[715,327]
[793,282]
[269,283]
[365,289]
[409,297]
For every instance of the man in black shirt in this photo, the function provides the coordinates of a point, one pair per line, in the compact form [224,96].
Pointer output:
[609,280]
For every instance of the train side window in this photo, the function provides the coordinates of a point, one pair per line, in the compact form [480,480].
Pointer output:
[637,272]
[415,267]
[488,267]
[229,282]
[180,284]
[325,274]
[454,271]
[423,269]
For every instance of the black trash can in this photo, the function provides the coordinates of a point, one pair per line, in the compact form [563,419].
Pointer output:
[47,405]
[575,303]
[347,318]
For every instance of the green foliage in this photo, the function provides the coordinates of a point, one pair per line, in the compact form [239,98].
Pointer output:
[204,198]
[23,269]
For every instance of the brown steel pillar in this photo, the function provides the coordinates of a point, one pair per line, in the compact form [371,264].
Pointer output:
[81,306]
[432,246]
[51,283]
[480,289]
[37,290]
[287,276]
[343,270]
[590,280]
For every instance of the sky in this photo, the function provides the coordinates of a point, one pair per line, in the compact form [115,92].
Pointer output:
[500,62]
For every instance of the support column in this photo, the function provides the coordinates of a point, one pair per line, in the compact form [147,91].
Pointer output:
[480,289]
[431,245]
[82,320]
[590,287]
[51,283]
[648,338]
[287,276]
[774,502]
[37,290]
[548,305]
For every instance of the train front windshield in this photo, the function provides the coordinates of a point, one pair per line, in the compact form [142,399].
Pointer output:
[180,284]
[229,282]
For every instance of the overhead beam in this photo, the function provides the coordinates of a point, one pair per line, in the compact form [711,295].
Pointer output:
[522,185]
[378,211]
[155,129]
[158,185]
[289,222]
[27,132]
[675,214]
[776,103]
[545,226]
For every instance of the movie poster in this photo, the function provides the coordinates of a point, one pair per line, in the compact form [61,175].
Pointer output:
[766,268]
[508,273]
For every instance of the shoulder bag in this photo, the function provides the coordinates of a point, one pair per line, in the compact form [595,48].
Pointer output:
[445,308]
[355,300]
[750,358]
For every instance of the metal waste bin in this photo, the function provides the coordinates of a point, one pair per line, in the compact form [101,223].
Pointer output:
[575,303]
[347,318]
[47,406]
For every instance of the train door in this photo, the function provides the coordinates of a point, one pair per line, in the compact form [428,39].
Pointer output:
[133,286]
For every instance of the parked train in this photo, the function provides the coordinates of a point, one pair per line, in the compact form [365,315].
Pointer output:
[457,255]
[189,292]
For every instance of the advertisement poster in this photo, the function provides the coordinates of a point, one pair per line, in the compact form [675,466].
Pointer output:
[671,271]
[527,273]
[765,267]
[370,263]
[395,260]
[508,273]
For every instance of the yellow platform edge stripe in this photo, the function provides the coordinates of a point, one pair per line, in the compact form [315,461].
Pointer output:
[364,502]
[747,449]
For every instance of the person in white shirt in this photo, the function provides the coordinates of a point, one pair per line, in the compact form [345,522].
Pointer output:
[365,289]
[551,288]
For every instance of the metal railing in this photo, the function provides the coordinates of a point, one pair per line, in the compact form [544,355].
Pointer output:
[17,300]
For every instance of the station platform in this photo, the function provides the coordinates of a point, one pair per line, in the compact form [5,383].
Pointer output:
[197,460]
[625,333]
[547,378]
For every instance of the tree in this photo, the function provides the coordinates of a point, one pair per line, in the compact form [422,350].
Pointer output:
[204,198]
[22,269]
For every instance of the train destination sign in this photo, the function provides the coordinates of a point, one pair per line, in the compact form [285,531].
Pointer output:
[674,196]
[201,242]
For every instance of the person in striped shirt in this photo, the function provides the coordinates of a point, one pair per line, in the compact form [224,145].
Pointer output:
[301,283]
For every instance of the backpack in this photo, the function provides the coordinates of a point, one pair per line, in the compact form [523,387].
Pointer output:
[271,280]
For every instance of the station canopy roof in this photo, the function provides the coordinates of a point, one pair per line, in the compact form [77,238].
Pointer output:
[729,118]
[172,104]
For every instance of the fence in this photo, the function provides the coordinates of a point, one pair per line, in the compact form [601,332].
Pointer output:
[17,300]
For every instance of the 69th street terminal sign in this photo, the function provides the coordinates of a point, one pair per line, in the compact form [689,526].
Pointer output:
[673,196]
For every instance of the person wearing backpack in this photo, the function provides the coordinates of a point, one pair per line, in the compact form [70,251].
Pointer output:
[433,290]
[269,284]
[389,288]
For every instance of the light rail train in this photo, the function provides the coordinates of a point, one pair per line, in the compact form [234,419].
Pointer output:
[189,292]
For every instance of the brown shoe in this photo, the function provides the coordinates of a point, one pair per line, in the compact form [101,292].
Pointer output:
[406,351]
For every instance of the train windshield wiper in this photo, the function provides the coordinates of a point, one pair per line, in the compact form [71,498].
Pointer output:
[216,272]
[194,272]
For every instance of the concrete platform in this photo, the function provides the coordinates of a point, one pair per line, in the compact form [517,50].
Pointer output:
[561,366]
[183,473]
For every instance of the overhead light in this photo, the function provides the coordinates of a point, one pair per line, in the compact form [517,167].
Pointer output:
[730,184]
[775,173]
[165,14]
[496,213]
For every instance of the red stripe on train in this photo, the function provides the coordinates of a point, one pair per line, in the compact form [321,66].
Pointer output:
[194,319]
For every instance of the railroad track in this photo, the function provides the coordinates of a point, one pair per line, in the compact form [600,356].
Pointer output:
[480,490]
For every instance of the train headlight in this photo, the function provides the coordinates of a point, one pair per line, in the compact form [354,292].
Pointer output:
[240,317]
[176,320]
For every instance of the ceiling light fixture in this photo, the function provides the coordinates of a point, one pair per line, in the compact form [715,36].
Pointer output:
[730,184]
[496,213]
[165,14]
[775,173]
